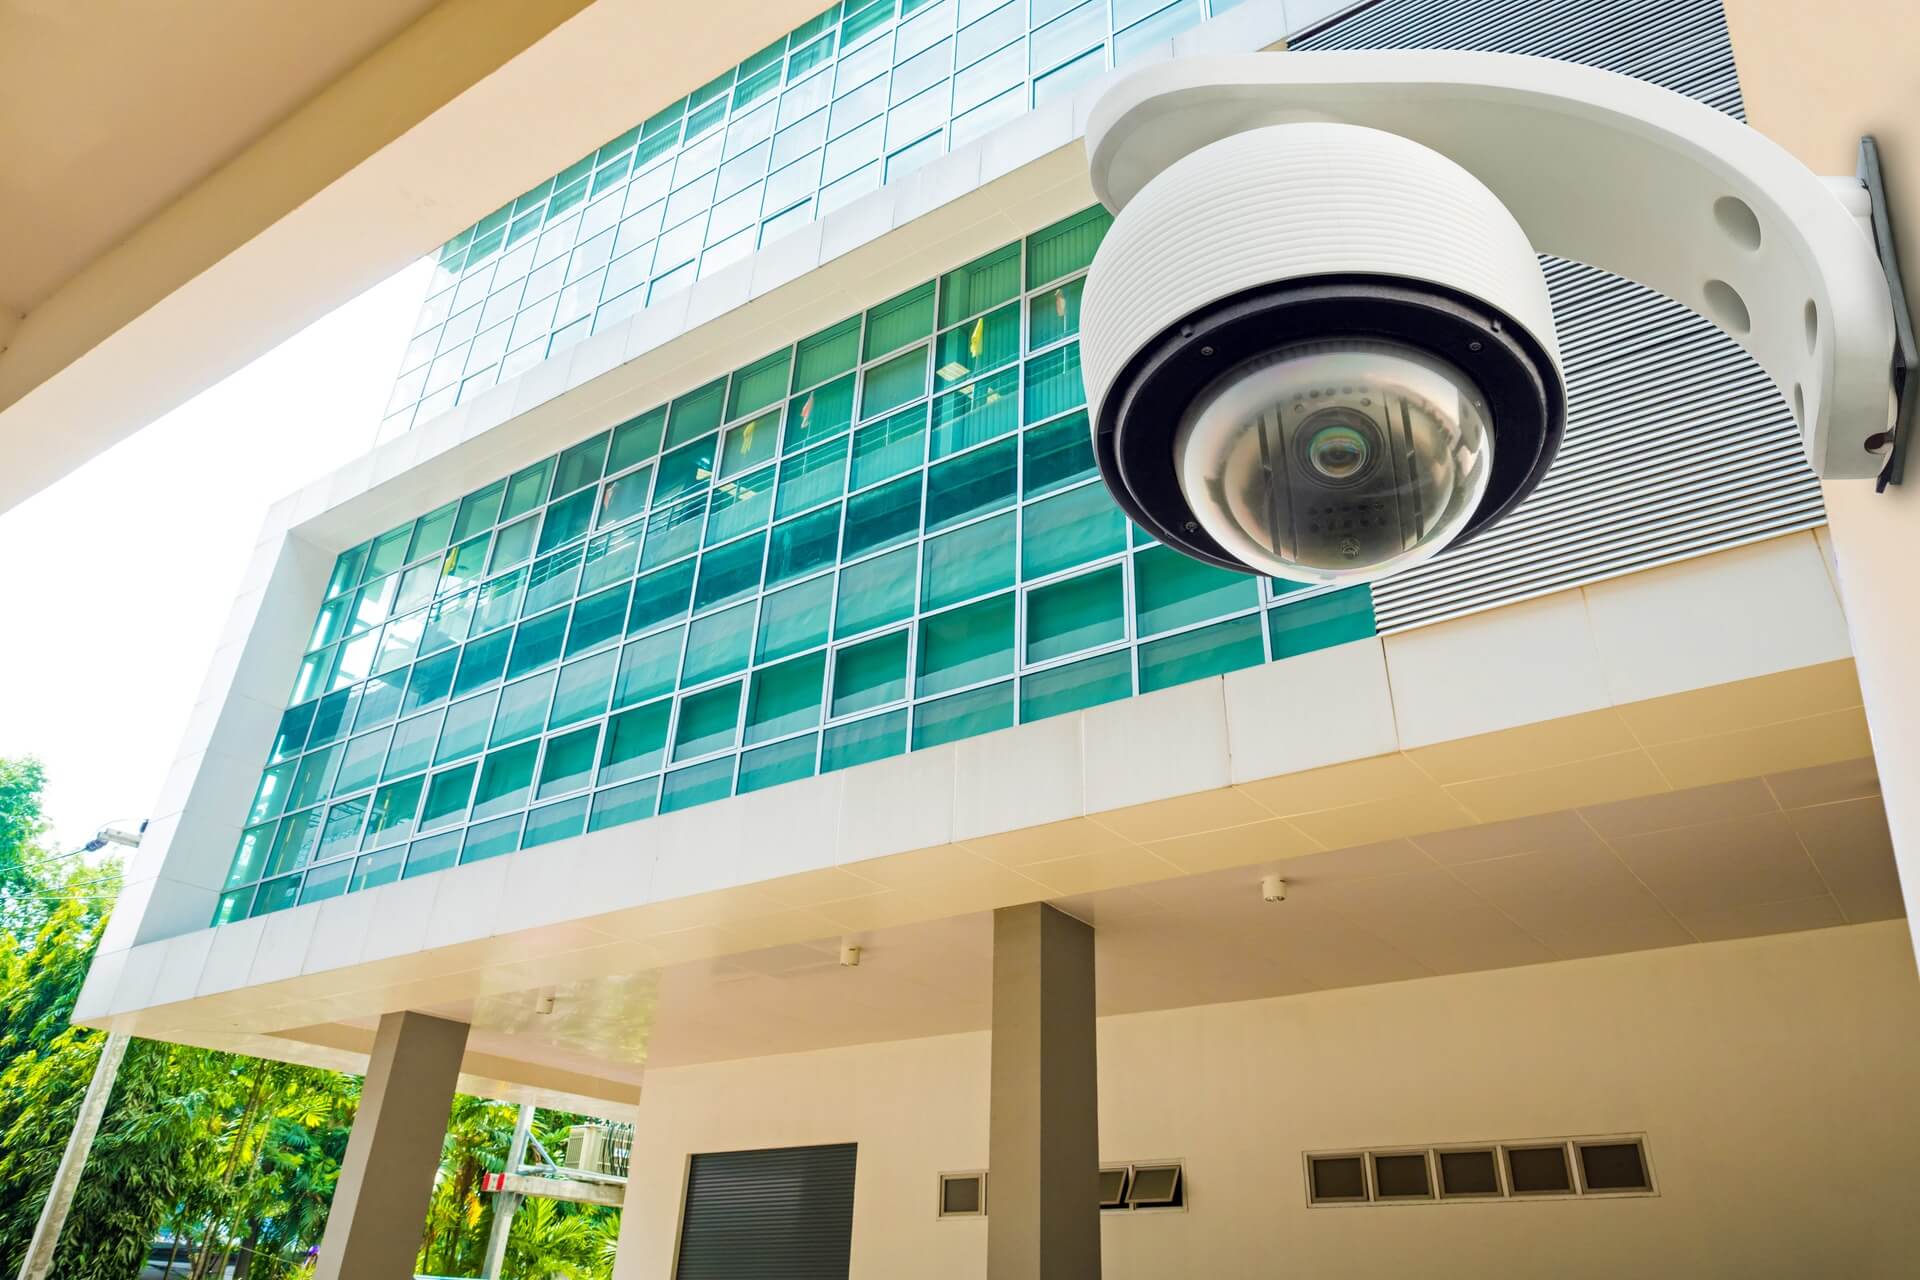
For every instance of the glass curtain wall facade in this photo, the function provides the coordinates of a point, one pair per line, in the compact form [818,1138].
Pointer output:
[889,536]
[861,94]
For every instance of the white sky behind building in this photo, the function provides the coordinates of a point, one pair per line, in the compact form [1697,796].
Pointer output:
[117,580]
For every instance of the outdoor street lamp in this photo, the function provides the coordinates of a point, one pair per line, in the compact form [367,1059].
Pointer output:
[1317,342]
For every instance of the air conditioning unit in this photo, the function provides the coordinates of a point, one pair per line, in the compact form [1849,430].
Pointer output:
[599,1150]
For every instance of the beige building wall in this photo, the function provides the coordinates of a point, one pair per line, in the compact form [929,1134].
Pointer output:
[1772,1077]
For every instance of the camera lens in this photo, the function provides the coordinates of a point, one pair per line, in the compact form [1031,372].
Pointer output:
[1338,445]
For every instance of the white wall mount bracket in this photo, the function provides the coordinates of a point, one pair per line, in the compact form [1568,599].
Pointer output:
[1608,170]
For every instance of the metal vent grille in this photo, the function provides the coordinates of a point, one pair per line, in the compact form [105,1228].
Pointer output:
[784,1214]
[1676,445]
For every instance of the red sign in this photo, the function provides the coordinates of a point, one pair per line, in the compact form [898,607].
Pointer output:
[491,1182]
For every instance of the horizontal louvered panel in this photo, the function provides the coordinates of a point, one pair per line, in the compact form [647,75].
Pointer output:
[1677,444]
[779,1214]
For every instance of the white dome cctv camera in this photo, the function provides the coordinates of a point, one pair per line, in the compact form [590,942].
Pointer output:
[1317,341]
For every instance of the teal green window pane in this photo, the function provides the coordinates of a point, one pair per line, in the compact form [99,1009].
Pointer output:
[898,321]
[251,855]
[707,722]
[611,557]
[1055,314]
[684,788]
[596,620]
[555,822]
[1080,613]
[820,414]
[483,662]
[863,741]
[885,387]
[581,465]
[972,484]
[880,517]
[884,449]
[505,778]
[466,729]
[326,882]
[984,282]
[330,716]
[513,544]
[553,580]
[786,698]
[270,796]
[432,532]
[810,478]
[1194,655]
[963,715]
[417,585]
[803,544]
[740,505]
[566,520]
[379,703]
[536,642]
[568,763]
[967,562]
[447,622]
[729,573]
[231,907]
[1053,383]
[685,469]
[674,532]
[648,667]
[1065,247]
[488,840]
[447,796]
[523,709]
[330,625]
[499,602]
[1320,622]
[294,843]
[340,833]
[375,869]
[1076,686]
[661,597]
[694,414]
[630,803]
[981,345]
[463,566]
[636,440]
[389,552]
[583,689]
[478,511]
[758,385]
[826,354]
[346,569]
[976,412]
[750,443]
[1171,590]
[794,619]
[965,646]
[392,816]
[360,764]
[371,606]
[412,745]
[314,782]
[718,644]
[435,853]
[625,496]
[770,766]
[1058,454]
[636,742]
[275,895]
[870,674]
[1070,528]
[875,592]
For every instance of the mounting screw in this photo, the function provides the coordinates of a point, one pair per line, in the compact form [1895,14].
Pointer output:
[849,955]
[1273,889]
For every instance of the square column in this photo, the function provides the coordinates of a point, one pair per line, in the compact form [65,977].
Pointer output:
[386,1181]
[1043,1159]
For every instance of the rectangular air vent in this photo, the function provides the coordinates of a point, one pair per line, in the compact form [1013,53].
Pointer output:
[1539,1171]
[1337,1179]
[1155,1186]
[1401,1175]
[1113,1187]
[963,1195]
[1615,1166]
[1469,1173]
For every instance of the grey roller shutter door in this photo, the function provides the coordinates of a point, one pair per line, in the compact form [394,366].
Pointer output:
[780,1214]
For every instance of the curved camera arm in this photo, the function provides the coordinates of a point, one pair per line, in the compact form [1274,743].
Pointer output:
[1598,167]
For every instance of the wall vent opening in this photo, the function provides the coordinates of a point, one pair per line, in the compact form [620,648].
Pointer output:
[1539,1171]
[1337,1179]
[1469,1174]
[1145,1187]
[1113,1187]
[1401,1175]
[1613,1166]
[963,1195]
[1596,1166]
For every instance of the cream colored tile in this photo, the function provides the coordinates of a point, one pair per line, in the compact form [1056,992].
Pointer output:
[1825,784]
[1319,708]
[1850,844]
[1550,892]
[1732,863]
[283,945]
[1341,785]
[1433,919]
[1410,814]
[1182,815]
[1744,704]
[1711,619]
[1023,777]
[1386,858]
[230,958]
[1687,808]
[1494,670]
[1503,839]
[1114,869]
[1581,939]
[1169,743]
[468,902]
[829,884]
[1567,786]
[791,828]
[1272,840]
[1073,838]
[1793,744]
[1526,748]
[895,805]
[1754,919]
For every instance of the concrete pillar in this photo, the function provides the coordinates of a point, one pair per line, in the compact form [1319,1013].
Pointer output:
[1814,82]
[380,1203]
[1043,1161]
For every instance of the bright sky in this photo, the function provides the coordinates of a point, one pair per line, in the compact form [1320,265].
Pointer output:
[119,577]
